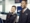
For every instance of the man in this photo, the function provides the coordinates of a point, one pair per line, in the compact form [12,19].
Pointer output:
[25,13]
[11,16]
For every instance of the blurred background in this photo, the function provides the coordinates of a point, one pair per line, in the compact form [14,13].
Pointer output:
[5,7]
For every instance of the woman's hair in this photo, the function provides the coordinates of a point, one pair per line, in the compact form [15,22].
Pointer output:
[14,6]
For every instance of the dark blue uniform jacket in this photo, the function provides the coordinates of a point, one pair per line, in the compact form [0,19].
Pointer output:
[11,18]
[24,17]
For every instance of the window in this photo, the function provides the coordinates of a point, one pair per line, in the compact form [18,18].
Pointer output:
[0,5]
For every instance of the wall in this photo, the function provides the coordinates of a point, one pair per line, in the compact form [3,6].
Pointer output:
[9,4]
[0,8]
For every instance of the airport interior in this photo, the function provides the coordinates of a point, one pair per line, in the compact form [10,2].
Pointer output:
[5,8]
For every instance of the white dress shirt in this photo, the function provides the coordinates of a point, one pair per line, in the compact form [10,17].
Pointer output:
[24,9]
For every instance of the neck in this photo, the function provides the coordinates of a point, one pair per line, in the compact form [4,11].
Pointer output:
[12,12]
[23,8]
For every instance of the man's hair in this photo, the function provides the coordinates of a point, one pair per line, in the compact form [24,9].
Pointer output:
[14,6]
[25,0]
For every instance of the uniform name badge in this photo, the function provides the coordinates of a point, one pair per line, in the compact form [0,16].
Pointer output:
[26,14]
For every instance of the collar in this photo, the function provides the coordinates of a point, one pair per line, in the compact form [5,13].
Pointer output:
[25,9]
[13,12]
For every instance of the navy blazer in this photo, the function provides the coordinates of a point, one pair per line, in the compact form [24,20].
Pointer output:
[25,17]
[11,18]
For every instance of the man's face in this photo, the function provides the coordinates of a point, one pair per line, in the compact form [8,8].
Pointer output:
[23,4]
[13,9]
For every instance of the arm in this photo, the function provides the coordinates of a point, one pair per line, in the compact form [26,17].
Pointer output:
[28,18]
[15,18]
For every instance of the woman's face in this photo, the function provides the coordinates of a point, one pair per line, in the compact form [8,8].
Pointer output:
[13,9]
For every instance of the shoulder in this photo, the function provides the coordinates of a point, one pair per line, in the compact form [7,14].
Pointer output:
[9,13]
[15,14]
[28,10]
